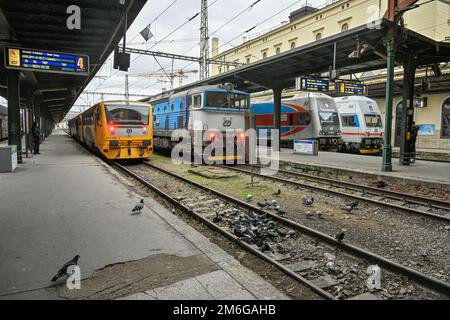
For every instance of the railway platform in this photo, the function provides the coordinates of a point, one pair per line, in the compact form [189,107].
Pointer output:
[66,202]
[428,174]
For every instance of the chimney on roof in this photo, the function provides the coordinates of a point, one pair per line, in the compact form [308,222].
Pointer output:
[302,12]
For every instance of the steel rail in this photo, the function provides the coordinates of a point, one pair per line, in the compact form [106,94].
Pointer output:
[228,235]
[430,283]
[340,193]
[414,199]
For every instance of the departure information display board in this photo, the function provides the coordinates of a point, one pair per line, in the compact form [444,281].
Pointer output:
[310,84]
[351,88]
[46,61]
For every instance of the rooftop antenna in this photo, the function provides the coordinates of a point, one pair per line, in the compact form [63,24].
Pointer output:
[204,41]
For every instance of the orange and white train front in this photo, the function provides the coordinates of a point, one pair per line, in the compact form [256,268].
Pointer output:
[129,132]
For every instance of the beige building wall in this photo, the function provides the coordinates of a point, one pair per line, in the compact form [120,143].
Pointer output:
[431,19]
[432,114]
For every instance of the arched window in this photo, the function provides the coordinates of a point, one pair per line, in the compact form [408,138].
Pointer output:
[264,54]
[292,45]
[344,27]
[181,106]
[248,60]
[220,69]
[172,108]
[445,121]
[318,36]
[278,50]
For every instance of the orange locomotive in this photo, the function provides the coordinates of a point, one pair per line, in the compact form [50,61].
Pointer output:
[116,129]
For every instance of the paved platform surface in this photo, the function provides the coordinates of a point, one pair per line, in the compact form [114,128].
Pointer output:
[429,171]
[66,202]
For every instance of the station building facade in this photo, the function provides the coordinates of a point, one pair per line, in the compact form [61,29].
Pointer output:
[308,24]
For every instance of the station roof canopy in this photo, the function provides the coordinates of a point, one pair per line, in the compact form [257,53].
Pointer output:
[41,24]
[280,71]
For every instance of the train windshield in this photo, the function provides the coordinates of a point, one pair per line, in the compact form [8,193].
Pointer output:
[127,114]
[373,120]
[226,100]
[327,113]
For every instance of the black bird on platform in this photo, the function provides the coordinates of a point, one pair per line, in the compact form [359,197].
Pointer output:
[277,193]
[340,235]
[137,208]
[307,201]
[63,271]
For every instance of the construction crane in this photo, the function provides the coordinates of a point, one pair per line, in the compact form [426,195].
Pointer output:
[180,74]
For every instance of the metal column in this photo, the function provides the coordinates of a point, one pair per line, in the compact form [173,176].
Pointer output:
[277,111]
[409,70]
[14,137]
[387,147]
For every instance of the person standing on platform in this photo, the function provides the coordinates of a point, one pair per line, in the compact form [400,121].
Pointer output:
[36,137]
[414,134]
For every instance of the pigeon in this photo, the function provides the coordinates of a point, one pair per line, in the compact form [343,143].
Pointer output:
[330,266]
[353,204]
[381,184]
[274,202]
[309,214]
[263,203]
[264,247]
[319,214]
[137,209]
[424,253]
[280,247]
[63,271]
[277,193]
[249,197]
[307,201]
[350,206]
[340,235]
[280,210]
[217,218]
[174,211]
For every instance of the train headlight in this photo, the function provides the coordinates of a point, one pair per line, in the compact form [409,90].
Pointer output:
[144,128]
[212,136]
[111,129]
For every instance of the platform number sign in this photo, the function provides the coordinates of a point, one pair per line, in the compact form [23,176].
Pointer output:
[46,61]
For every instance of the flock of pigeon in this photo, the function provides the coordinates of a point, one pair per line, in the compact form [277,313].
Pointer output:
[250,227]
[255,229]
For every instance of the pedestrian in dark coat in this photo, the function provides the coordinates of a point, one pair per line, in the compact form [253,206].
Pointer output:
[414,134]
[36,132]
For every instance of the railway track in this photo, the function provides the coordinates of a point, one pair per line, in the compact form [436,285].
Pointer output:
[410,203]
[302,247]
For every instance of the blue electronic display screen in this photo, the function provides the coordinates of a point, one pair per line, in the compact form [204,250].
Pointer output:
[317,85]
[46,61]
[352,88]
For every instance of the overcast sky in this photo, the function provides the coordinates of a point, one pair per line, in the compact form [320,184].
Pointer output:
[185,40]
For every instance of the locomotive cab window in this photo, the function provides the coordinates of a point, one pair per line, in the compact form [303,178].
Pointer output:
[98,117]
[350,120]
[226,100]
[196,102]
[373,120]
[127,114]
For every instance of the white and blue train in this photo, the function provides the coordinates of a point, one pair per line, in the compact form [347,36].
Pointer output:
[217,109]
